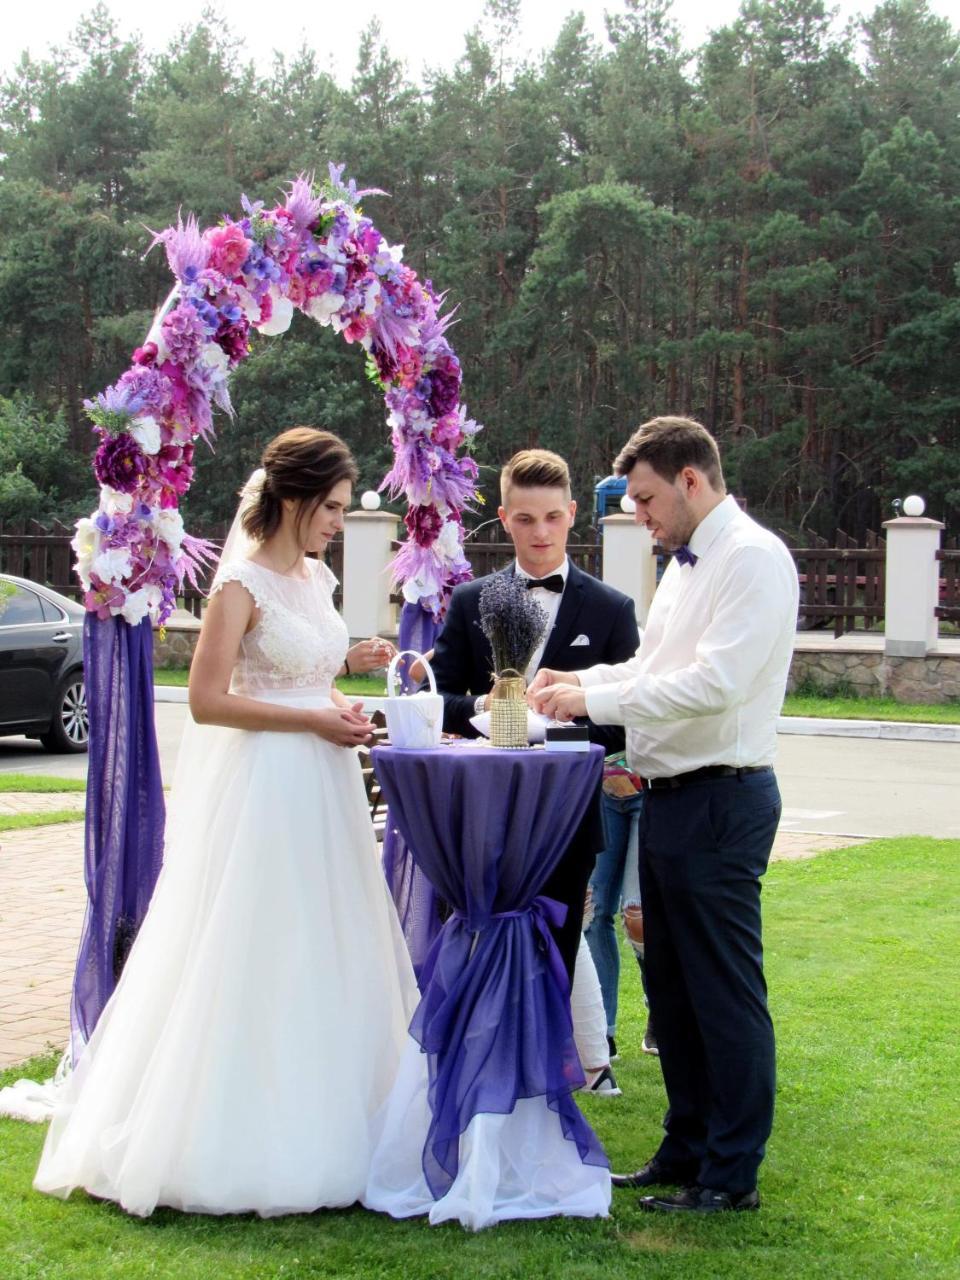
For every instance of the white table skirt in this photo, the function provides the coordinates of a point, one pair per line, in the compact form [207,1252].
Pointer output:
[511,1166]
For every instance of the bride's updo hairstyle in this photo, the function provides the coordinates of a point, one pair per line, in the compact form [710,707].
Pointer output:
[302,464]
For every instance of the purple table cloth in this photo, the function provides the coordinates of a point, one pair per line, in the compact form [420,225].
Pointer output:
[487,827]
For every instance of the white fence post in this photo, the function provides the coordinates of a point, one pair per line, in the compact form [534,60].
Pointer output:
[913,585]
[628,561]
[367,551]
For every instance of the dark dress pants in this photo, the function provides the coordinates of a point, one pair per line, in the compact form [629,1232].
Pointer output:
[569,879]
[703,848]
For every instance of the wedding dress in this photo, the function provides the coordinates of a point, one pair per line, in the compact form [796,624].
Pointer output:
[259,1022]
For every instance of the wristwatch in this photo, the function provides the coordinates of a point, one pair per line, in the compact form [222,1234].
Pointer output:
[480,705]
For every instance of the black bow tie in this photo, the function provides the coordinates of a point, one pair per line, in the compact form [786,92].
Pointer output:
[683,555]
[553,583]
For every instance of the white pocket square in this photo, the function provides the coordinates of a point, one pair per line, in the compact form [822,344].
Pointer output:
[581,639]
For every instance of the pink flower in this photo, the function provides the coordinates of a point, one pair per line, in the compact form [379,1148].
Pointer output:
[446,431]
[357,329]
[103,599]
[297,291]
[228,249]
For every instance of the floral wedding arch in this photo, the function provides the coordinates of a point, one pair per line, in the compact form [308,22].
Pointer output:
[318,253]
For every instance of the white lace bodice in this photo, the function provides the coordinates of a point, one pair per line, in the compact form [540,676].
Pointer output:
[299,640]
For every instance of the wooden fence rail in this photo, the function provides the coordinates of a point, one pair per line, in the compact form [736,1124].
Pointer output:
[842,587]
[949,608]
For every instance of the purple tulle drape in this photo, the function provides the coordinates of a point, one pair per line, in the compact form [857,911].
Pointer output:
[125,810]
[413,895]
[418,630]
[488,827]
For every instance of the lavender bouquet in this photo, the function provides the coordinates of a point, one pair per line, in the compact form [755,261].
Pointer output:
[512,621]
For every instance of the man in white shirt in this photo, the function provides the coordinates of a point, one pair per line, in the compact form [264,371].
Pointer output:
[700,701]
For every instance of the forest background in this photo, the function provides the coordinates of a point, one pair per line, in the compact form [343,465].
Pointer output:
[763,233]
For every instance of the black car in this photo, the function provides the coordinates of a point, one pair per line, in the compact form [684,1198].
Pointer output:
[41,665]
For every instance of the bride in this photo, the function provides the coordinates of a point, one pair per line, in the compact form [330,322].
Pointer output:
[257,1027]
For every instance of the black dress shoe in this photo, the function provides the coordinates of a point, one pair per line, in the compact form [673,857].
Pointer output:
[699,1199]
[657,1173]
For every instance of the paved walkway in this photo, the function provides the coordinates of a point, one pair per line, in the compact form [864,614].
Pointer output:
[41,917]
[42,901]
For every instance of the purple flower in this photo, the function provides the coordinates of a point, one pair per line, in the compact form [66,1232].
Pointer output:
[423,524]
[119,463]
[145,389]
[234,338]
[302,205]
[348,191]
[187,252]
[444,383]
[184,333]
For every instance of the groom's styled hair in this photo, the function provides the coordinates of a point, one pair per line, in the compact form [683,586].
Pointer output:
[667,445]
[534,469]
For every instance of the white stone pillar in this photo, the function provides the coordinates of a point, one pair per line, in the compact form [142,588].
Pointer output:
[628,561]
[913,584]
[367,551]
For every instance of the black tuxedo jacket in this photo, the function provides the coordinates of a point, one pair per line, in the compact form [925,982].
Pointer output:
[594,624]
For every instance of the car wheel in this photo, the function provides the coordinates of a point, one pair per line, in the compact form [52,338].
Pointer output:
[70,728]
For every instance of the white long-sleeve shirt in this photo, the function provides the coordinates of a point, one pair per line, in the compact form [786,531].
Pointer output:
[707,683]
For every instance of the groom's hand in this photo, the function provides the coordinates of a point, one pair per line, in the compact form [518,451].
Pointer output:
[545,677]
[561,702]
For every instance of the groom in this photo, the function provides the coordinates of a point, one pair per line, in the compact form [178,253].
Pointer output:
[700,702]
[588,623]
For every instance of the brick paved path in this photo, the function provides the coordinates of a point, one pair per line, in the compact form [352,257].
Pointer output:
[42,901]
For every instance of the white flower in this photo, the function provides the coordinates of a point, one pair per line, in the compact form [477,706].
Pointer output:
[113,566]
[248,303]
[325,306]
[215,356]
[146,432]
[136,606]
[169,524]
[279,321]
[115,503]
[388,257]
[447,544]
[86,542]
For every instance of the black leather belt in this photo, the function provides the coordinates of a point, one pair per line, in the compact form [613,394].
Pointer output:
[702,775]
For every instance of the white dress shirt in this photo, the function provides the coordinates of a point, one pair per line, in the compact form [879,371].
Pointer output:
[549,602]
[707,683]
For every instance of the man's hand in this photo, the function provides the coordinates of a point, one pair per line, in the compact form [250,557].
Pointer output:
[545,677]
[561,702]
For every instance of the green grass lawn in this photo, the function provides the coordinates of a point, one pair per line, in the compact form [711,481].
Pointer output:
[20,821]
[861,1180]
[870,709]
[43,783]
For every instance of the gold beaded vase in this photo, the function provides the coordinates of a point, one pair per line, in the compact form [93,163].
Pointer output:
[508,710]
